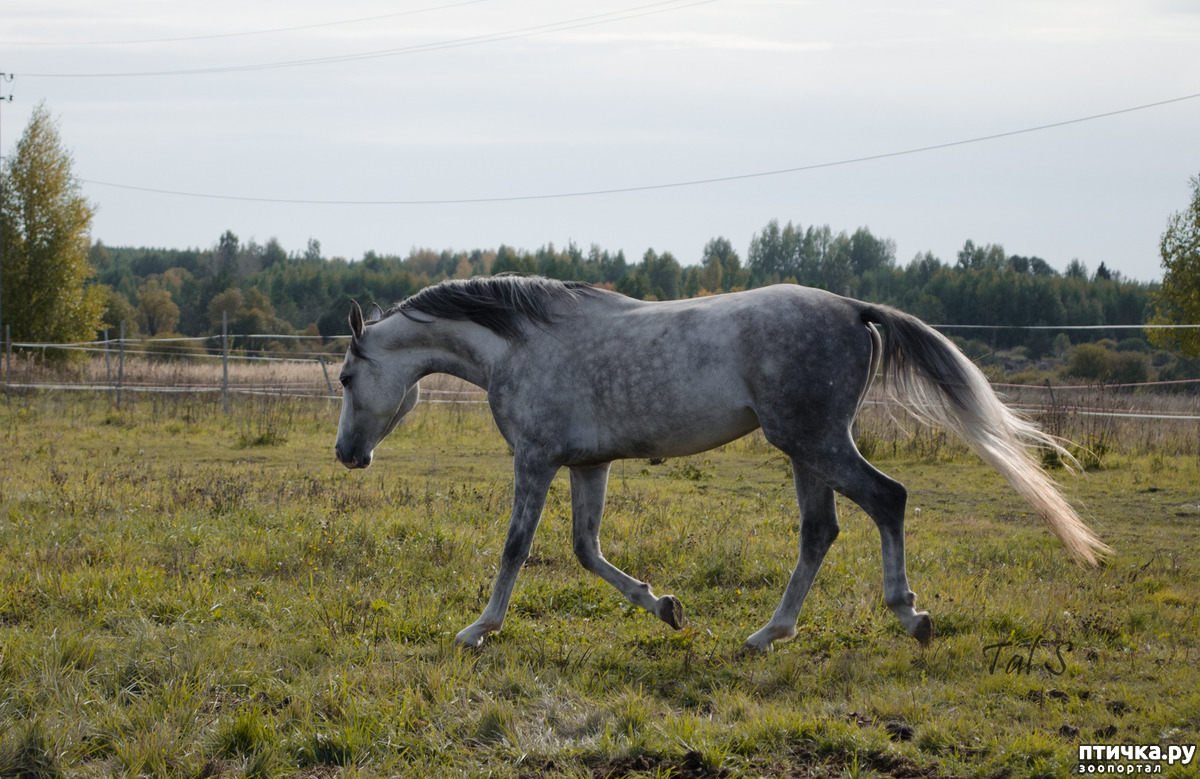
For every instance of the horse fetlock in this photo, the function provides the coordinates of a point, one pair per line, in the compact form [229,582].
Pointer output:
[670,610]
[904,602]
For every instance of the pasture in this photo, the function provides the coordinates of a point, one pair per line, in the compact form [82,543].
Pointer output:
[186,593]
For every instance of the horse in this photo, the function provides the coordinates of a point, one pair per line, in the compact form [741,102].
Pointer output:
[578,376]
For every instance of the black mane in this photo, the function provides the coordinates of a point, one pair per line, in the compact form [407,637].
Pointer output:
[500,303]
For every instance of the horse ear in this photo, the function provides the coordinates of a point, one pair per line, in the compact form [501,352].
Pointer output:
[376,312]
[356,319]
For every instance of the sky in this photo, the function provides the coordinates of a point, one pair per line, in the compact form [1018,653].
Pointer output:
[452,124]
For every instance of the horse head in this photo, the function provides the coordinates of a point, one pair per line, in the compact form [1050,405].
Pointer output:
[375,392]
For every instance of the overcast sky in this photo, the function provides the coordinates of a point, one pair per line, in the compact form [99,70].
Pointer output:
[446,100]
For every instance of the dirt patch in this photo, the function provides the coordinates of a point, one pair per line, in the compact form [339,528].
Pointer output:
[691,766]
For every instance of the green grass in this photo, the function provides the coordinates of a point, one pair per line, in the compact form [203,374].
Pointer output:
[188,594]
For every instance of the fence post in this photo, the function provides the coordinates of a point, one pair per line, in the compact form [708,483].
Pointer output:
[225,360]
[7,359]
[328,383]
[121,363]
[107,365]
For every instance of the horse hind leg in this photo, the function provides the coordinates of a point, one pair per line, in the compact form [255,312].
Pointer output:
[835,461]
[818,531]
[884,499]
[588,489]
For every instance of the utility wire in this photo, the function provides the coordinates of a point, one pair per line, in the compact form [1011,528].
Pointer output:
[652,187]
[248,33]
[633,12]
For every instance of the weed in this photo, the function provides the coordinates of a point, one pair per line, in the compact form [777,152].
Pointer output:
[245,732]
[27,751]
[269,422]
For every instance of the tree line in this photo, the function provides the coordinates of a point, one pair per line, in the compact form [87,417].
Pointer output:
[264,288]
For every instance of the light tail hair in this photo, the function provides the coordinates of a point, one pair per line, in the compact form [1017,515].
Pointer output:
[928,375]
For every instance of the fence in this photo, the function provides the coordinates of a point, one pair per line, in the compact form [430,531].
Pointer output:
[209,365]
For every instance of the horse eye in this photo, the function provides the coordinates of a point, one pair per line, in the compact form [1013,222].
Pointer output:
[345,380]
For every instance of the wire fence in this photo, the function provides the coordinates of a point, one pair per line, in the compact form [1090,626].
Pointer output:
[262,364]
[186,365]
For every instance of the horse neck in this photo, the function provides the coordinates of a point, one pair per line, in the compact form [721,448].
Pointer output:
[462,349]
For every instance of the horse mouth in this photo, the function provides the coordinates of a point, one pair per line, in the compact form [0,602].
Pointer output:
[352,461]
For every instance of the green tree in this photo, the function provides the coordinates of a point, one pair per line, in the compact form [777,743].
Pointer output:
[868,253]
[1130,368]
[224,304]
[509,261]
[224,258]
[972,257]
[835,273]
[712,275]
[46,221]
[1091,361]
[157,313]
[771,256]
[118,309]
[664,275]
[923,267]
[1178,300]
[634,285]
[274,254]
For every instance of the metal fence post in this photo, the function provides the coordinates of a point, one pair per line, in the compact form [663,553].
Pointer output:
[121,364]
[107,365]
[225,359]
[325,370]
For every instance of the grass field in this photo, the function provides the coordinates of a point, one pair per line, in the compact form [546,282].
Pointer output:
[184,593]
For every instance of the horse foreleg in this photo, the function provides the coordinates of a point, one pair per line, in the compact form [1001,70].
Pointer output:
[588,488]
[818,530]
[532,483]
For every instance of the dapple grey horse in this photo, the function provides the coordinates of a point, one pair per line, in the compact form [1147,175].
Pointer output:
[578,376]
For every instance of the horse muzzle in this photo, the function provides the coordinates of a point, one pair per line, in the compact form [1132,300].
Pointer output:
[352,459]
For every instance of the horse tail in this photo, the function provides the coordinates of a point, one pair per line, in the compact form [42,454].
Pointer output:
[928,375]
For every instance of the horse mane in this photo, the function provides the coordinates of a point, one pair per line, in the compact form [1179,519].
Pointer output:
[503,304]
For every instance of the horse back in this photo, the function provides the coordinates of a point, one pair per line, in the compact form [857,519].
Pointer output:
[617,378]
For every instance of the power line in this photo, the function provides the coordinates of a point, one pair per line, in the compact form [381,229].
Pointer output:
[1069,327]
[651,187]
[633,12]
[248,33]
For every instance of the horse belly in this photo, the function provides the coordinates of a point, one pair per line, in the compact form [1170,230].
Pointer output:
[661,429]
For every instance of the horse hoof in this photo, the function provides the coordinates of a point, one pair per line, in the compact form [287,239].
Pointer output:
[670,610]
[923,631]
[467,639]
